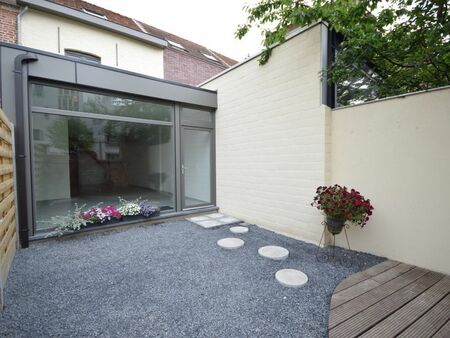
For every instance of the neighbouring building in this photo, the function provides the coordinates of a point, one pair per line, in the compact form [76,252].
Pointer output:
[80,29]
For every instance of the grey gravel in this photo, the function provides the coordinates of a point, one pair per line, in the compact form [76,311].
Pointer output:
[169,280]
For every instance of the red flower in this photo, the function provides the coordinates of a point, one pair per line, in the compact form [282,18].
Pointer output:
[338,201]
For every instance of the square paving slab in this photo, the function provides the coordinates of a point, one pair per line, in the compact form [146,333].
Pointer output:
[213,220]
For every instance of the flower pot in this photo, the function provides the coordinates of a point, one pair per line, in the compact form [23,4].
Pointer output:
[335,225]
[113,221]
[129,218]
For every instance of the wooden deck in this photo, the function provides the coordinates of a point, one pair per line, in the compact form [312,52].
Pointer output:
[391,299]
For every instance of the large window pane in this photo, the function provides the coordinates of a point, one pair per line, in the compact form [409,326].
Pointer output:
[190,114]
[196,167]
[69,99]
[90,161]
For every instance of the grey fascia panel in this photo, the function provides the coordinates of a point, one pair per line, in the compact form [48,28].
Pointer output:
[53,8]
[127,83]
[7,78]
[52,68]
[68,70]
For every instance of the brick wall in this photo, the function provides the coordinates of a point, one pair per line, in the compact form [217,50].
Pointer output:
[183,68]
[8,23]
[271,138]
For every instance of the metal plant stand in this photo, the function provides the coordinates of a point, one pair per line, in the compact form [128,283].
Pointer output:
[323,255]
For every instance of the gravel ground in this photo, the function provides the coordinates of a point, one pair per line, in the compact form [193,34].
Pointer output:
[169,280]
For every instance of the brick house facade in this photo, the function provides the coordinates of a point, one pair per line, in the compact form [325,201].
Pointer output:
[8,22]
[188,69]
[183,61]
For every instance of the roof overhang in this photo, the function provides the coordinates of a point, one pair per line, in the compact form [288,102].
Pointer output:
[67,12]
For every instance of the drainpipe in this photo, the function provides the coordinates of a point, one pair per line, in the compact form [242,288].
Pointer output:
[21,175]
[19,25]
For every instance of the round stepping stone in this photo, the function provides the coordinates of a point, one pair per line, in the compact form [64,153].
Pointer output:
[230,243]
[239,230]
[274,252]
[291,278]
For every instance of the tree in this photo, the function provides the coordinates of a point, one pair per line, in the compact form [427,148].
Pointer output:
[388,47]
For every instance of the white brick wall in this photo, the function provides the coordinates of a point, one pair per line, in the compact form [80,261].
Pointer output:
[271,142]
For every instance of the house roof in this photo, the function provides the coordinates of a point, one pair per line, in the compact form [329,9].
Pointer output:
[189,47]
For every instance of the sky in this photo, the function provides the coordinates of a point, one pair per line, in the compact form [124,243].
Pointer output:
[210,23]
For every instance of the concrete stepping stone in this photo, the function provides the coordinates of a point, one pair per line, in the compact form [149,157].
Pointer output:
[198,219]
[273,252]
[228,220]
[291,278]
[216,215]
[239,230]
[230,243]
[213,220]
[209,224]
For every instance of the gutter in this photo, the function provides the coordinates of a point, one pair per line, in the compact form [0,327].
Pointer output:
[20,152]
[74,14]
[19,24]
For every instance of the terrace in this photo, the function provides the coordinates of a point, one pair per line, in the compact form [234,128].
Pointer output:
[170,279]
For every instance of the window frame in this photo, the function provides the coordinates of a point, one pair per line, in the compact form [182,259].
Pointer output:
[82,55]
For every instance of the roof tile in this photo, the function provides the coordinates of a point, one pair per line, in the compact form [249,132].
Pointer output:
[192,48]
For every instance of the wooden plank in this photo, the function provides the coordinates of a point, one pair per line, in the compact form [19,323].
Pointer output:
[7,238]
[5,152]
[7,219]
[354,291]
[6,185]
[4,119]
[369,317]
[392,273]
[366,274]
[5,204]
[444,332]
[6,169]
[5,135]
[431,322]
[6,264]
[358,289]
[404,317]
[351,308]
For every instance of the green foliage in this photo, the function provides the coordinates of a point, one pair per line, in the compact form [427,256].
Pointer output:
[68,223]
[388,47]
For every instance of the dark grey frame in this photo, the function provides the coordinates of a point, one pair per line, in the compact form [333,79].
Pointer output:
[199,125]
[71,113]
[19,65]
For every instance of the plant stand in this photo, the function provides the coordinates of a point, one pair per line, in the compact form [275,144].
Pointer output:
[323,256]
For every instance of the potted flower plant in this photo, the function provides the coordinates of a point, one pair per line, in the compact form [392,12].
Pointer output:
[97,215]
[129,209]
[93,215]
[148,210]
[341,205]
[111,214]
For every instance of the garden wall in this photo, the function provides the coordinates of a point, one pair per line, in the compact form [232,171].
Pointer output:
[397,153]
[271,138]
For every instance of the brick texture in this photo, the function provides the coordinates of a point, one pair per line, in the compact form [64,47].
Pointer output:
[271,134]
[8,23]
[183,68]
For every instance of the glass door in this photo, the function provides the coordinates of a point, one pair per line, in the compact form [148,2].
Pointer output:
[196,167]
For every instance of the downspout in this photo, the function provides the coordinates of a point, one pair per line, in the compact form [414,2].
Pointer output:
[19,25]
[21,173]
